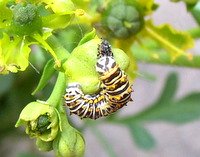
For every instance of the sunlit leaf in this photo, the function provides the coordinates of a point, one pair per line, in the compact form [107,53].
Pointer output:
[152,52]
[5,15]
[54,21]
[13,57]
[174,41]
[60,7]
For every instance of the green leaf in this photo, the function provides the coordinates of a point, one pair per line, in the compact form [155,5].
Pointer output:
[89,36]
[180,111]
[151,51]
[169,89]
[147,5]
[195,10]
[55,22]
[69,38]
[141,136]
[174,41]
[46,75]
[42,41]
[60,7]
[190,2]
[63,13]
[185,110]
[5,15]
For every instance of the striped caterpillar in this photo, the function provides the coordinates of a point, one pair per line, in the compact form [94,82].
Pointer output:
[115,90]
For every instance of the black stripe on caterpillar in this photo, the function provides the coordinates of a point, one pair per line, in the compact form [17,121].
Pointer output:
[113,95]
[114,80]
[87,106]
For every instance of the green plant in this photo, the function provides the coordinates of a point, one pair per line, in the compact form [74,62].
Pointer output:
[50,30]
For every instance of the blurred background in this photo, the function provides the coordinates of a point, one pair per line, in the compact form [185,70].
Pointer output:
[169,139]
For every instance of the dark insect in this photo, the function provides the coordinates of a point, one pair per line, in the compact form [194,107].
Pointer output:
[114,94]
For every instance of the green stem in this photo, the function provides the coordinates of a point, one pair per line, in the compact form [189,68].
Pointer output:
[164,42]
[165,58]
[58,90]
[102,139]
[58,48]
[63,117]
[39,38]
[56,97]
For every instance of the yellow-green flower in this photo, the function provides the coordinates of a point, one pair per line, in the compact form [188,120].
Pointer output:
[24,23]
[41,121]
[13,56]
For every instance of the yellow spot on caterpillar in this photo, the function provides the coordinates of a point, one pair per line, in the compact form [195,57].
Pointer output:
[90,101]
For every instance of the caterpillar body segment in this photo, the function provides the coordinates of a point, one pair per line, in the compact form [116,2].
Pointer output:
[87,106]
[114,80]
[115,91]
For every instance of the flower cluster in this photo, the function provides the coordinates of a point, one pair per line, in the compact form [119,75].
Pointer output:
[47,122]
[24,23]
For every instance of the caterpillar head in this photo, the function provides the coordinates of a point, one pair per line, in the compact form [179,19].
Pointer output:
[73,92]
[104,49]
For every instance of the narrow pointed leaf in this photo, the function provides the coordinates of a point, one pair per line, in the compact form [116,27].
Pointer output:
[46,75]
[169,90]
[168,109]
[196,11]
[141,136]
[174,41]
[89,36]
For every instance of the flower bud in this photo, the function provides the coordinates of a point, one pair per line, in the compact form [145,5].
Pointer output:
[24,14]
[26,19]
[40,120]
[123,20]
[69,143]
[80,66]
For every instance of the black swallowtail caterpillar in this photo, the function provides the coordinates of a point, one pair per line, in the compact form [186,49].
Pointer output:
[115,89]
